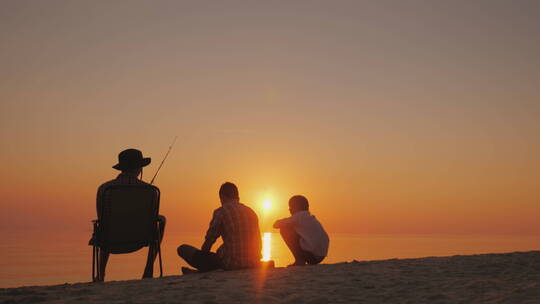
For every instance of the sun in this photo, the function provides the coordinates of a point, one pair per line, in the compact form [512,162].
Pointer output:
[267,205]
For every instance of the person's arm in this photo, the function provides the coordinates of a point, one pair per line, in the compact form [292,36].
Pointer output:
[214,230]
[284,222]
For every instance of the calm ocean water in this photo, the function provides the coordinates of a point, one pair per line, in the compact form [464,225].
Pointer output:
[44,259]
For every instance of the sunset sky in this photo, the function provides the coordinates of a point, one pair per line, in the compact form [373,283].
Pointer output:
[390,116]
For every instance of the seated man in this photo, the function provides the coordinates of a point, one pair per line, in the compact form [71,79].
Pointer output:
[130,163]
[238,226]
[303,233]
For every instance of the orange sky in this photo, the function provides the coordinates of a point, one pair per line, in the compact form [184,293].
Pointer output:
[390,118]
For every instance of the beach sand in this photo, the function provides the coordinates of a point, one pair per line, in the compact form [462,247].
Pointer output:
[486,278]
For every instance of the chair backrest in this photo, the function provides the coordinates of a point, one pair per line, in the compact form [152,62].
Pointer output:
[128,215]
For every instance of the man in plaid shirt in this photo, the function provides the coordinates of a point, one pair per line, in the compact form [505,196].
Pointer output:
[238,226]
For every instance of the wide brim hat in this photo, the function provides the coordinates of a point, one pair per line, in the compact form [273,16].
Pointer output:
[131,159]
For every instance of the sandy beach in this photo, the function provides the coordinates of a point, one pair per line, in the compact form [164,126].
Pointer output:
[487,278]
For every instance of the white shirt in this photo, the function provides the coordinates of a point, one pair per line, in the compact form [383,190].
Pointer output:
[313,238]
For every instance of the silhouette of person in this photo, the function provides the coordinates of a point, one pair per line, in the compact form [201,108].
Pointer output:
[130,163]
[303,233]
[238,226]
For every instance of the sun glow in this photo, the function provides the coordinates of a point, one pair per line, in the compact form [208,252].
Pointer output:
[267,247]
[267,205]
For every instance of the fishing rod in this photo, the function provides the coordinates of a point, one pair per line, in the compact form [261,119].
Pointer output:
[164,158]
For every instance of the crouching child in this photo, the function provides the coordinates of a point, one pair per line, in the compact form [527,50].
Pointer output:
[303,233]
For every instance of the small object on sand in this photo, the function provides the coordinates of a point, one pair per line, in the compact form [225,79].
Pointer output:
[268,264]
[187,270]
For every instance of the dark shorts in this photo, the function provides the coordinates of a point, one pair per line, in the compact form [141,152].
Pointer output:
[292,239]
[206,261]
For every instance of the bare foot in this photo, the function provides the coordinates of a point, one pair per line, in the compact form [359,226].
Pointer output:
[187,270]
[297,263]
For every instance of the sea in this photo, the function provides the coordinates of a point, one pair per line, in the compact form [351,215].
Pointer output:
[44,258]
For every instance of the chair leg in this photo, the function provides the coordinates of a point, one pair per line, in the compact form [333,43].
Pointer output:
[98,263]
[95,264]
[158,248]
[160,263]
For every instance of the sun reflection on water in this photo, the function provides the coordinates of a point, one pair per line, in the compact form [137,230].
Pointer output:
[266,246]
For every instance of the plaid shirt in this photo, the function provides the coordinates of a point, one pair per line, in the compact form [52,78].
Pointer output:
[238,225]
[121,179]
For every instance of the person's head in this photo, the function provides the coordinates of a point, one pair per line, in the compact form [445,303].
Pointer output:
[228,192]
[131,161]
[298,203]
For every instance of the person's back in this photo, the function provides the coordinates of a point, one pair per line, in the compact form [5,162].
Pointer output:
[122,179]
[238,226]
[241,237]
[313,237]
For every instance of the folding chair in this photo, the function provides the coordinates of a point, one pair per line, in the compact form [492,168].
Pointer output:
[129,222]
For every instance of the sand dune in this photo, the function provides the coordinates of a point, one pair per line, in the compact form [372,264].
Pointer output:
[487,278]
